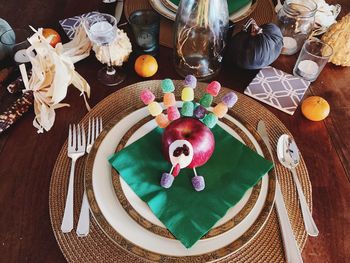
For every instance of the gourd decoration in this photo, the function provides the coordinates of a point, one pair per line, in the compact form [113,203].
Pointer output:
[256,47]
[338,37]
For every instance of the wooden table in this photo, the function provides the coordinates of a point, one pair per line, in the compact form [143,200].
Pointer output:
[27,158]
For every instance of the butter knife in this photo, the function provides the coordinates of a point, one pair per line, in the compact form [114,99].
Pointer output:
[118,10]
[291,249]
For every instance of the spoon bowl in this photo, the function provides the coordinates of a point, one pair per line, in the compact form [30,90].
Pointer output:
[288,152]
[289,157]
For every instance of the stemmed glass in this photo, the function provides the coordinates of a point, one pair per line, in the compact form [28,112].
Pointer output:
[102,30]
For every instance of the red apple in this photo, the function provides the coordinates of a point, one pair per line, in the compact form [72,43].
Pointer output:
[194,131]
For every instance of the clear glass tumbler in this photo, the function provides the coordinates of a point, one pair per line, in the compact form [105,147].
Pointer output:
[296,20]
[145,26]
[15,41]
[312,58]
[200,37]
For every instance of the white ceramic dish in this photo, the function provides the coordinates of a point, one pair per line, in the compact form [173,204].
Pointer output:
[129,230]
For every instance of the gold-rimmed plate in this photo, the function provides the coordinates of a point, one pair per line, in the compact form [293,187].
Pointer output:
[168,9]
[119,227]
[136,208]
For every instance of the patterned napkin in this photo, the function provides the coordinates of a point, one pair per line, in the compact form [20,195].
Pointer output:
[70,24]
[278,89]
[230,172]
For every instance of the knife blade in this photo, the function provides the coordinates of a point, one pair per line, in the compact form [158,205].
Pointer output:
[118,10]
[291,249]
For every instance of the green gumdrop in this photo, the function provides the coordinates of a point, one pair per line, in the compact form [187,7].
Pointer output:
[210,120]
[167,85]
[206,100]
[187,109]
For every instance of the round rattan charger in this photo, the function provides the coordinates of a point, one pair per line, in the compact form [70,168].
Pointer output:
[97,247]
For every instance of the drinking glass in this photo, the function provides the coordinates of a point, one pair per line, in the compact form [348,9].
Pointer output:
[102,30]
[145,26]
[15,42]
[312,58]
[296,20]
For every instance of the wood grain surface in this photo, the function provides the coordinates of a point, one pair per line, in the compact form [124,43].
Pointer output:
[27,158]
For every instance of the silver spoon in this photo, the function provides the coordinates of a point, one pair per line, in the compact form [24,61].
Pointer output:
[288,155]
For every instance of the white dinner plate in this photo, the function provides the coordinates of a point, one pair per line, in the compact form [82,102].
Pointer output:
[122,229]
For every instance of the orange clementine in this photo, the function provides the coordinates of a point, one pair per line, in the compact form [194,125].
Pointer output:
[146,66]
[48,32]
[315,108]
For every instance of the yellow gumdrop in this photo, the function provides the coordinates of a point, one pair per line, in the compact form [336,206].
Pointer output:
[187,94]
[154,108]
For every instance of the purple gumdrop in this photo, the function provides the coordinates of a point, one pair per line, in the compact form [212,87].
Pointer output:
[167,180]
[190,81]
[200,112]
[198,183]
[230,99]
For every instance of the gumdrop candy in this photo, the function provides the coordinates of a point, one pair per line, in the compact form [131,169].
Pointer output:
[187,94]
[167,180]
[230,99]
[198,183]
[210,120]
[147,96]
[213,88]
[169,99]
[167,85]
[199,112]
[206,100]
[173,113]
[154,108]
[220,110]
[187,109]
[162,120]
[190,81]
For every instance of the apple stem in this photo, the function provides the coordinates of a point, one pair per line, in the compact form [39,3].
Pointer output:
[195,172]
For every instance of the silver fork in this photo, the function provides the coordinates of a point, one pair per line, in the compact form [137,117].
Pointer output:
[76,149]
[94,129]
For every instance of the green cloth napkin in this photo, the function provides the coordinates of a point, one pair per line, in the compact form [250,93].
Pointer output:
[233,5]
[230,172]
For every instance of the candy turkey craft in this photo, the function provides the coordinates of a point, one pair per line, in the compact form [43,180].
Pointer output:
[187,141]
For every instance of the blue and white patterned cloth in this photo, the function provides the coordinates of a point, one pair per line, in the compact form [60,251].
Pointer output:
[70,24]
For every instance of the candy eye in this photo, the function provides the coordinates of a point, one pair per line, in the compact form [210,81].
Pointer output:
[177,152]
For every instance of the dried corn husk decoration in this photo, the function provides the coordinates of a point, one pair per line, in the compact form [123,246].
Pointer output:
[120,50]
[52,72]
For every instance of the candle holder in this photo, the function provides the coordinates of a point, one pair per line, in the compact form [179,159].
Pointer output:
[296,20]
[313,57]
[16,42]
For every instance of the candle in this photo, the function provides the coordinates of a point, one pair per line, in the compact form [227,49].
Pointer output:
[308,69]
[290,46]
[102,33]
[21,56]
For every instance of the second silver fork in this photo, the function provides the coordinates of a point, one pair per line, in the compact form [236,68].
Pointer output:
[83,228]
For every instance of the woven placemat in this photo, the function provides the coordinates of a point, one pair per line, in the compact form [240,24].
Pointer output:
[97,247]
[263,13]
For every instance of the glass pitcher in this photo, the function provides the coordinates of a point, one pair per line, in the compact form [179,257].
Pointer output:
[296,20]
[199,37]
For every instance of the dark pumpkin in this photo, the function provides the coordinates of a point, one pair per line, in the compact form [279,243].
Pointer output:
[256,47]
